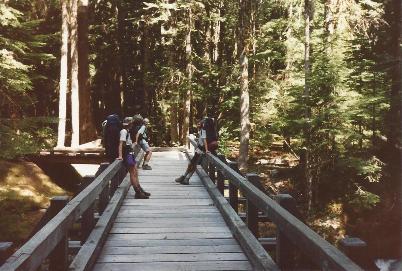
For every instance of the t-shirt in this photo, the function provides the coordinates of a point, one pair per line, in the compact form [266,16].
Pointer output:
[202,137]
[142,131]
[125,136]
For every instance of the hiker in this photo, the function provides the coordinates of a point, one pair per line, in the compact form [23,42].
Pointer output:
[140,132]
[207,142]
[111,135]
[126,154]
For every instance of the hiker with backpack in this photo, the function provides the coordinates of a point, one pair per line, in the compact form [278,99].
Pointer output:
[125,151]
[207,143]
[141,138]
[111,136]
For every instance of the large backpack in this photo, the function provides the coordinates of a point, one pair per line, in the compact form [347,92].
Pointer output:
[212,136]
[111,136]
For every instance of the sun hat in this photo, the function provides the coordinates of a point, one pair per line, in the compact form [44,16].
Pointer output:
[127,121]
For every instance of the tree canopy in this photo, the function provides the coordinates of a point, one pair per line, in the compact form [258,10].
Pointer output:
[323,74]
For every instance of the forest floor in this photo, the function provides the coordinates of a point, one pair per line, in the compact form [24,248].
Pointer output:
[25,193]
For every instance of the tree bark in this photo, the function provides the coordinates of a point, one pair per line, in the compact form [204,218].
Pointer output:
[145,68]
[308,7]
[244,44]
[87,126]
[121,25]
[75,103]
[188,94]
[61,133]
[395,125]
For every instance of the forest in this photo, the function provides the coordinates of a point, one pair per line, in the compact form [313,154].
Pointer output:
[323,75]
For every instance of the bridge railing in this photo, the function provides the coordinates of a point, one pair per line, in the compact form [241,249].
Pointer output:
[51,243]
[292,231]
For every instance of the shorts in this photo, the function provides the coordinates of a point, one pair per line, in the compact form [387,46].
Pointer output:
[145,146]
[129,160]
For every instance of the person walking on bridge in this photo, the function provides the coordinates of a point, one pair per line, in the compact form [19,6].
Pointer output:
[126,154]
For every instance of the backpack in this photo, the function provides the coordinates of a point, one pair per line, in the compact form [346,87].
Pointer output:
[111,136]
[133,133]
[212,136]
[138,121]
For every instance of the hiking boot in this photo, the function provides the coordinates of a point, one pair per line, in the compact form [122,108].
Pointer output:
[180,179]
[146,167]
[140,195]
[185,181]
[146,193]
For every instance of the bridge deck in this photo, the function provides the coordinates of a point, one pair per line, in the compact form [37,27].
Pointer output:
[178,228]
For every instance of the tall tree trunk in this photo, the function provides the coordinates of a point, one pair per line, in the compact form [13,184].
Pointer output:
[395,125]
[174,136]
[145,68]
[308,7]
[189,68]
[61,133]
[75,103]
[88,130]
[122,44]
[244,44]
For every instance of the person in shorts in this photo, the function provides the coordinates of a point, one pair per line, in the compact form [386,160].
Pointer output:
[142,139]
[201,148]
[126,154]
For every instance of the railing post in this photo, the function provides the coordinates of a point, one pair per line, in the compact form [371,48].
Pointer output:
[104,195]
[252,210]
[233,191]
[211,171]
[59,257]
[355,249]
[87,223]
[104,198]
[220,181]
[5,251]
[114,183]
[285,250]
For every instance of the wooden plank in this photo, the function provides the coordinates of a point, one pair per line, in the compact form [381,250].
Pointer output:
[146,258]
[169,202]
[110,250]
[185,208]
[174,215]
[165,242]
[170,236]
[167,211]
[160,221]
[169,266]
[170,230]
[180,224]
[87,255]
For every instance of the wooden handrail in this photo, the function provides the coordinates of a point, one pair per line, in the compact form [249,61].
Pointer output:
[317,248]
[31,255]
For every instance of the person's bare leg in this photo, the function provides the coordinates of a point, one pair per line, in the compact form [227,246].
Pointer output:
[134,177]
[148,156]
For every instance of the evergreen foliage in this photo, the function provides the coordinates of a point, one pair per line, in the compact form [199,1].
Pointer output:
[139,64]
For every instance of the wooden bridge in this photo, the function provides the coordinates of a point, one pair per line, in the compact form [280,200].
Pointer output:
[180,227]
